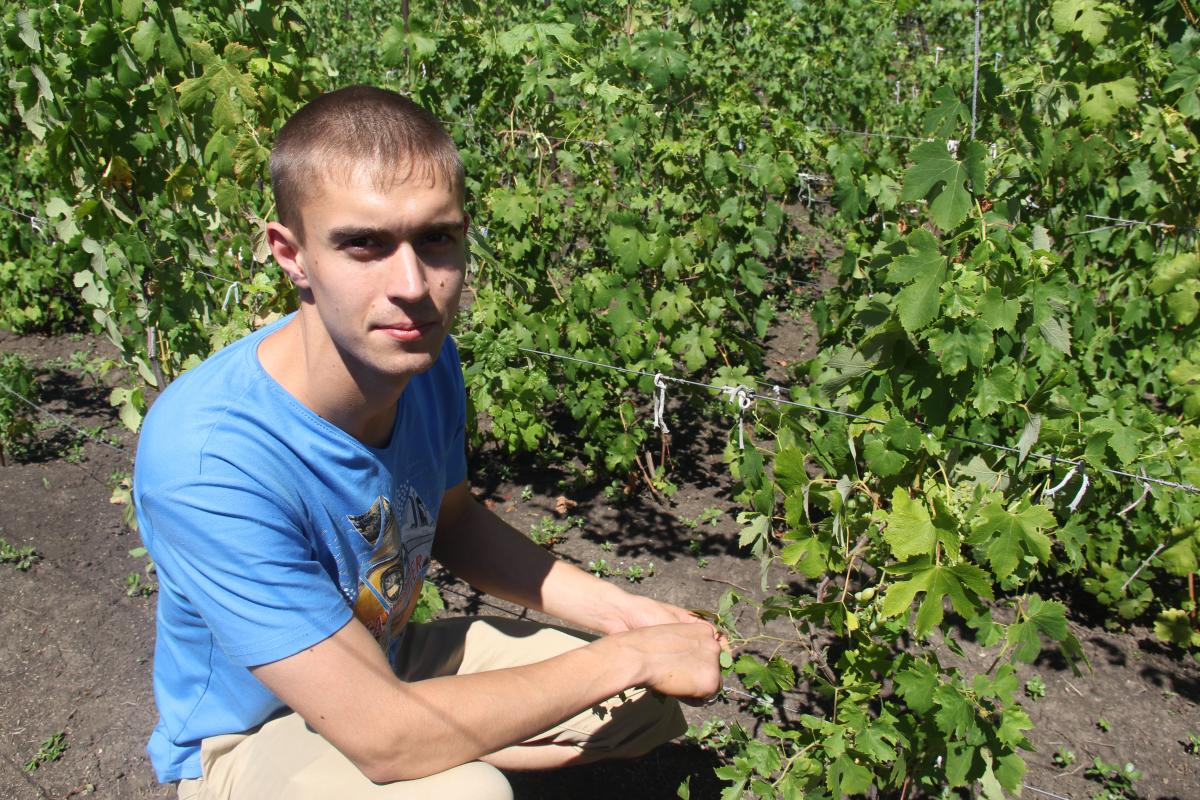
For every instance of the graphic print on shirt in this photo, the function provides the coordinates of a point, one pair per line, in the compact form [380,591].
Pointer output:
[390,584]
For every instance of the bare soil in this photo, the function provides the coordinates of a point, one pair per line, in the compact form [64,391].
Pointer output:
[75,649]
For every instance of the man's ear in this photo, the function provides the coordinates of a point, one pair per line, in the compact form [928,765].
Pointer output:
[288,252]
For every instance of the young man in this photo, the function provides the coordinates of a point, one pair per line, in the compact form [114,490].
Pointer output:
[293,488]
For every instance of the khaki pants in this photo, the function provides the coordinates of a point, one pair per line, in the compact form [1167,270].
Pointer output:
[283,758]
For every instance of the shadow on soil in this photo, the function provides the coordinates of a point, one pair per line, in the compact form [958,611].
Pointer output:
[654,776]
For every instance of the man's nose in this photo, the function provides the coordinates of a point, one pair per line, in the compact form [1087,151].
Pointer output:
[406,274]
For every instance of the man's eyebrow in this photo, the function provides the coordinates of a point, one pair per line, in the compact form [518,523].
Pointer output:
[340,235]
[344,234]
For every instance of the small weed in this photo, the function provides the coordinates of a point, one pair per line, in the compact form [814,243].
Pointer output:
[20,557]
[606,547]
[637,574]
[121,484]
[599,568]
[1035,687]
[695,547]
[546,532]
[527,493]
[141,584]
[1104,725]
[709,515]
[1117,781]
[702,563]
[136,587]
[1192,745]
[1063,758]
[51,750]
[46,483]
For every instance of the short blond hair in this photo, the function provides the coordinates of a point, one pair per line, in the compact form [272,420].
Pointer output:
[378,131]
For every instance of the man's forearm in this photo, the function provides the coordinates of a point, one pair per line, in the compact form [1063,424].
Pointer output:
[495,558]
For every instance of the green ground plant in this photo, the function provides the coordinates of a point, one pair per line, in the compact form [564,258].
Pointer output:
[18,421]
[50,750]
[21,558]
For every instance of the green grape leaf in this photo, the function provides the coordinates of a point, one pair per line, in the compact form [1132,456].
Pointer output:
[1029,437]
[1183,305]
[955,716]
[947,116]
[939,177]
[923,268]
[1101,102]
[145,38]
[535,37]
[1008,534]
[1041,618]
[881,459]
[1057,334]
[1085,17]
[997,311]
[806,556]
[1170,273]
[993,391]
[1175,626]
[964,584]
[658,56]
[847,778]
[916,685]
[790,472]
[1180,558]
[910,531]
[772,677]
[514,207]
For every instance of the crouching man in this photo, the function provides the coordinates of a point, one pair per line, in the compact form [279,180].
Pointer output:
[293,488]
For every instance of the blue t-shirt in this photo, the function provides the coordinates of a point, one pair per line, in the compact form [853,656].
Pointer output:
[271,527]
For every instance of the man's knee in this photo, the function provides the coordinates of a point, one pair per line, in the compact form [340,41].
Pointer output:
[476,780]
[635,726]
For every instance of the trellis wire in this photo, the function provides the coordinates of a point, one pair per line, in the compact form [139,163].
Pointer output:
[1121,222]
[35,220]
[1076,466]
[62,422]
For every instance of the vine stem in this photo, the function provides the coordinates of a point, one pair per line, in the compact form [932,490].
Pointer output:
[1192,593]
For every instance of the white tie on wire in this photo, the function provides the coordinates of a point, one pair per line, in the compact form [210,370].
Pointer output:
[1083,487]
[743,397]
[237,296]
[660,402]
[1140,498]
[1058,487]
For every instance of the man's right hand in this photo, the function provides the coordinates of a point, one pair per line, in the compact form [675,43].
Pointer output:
[680,660]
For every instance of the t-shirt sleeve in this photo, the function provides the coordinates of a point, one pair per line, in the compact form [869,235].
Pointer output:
[240,559]
[456,452]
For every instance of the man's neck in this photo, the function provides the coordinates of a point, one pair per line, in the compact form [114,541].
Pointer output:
[312,371]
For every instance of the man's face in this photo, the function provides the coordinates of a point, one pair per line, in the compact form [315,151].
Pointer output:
[384,270]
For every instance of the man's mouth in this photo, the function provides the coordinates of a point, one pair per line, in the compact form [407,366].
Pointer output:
[408,331]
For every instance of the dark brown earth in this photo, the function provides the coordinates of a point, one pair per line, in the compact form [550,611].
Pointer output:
[75,650]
